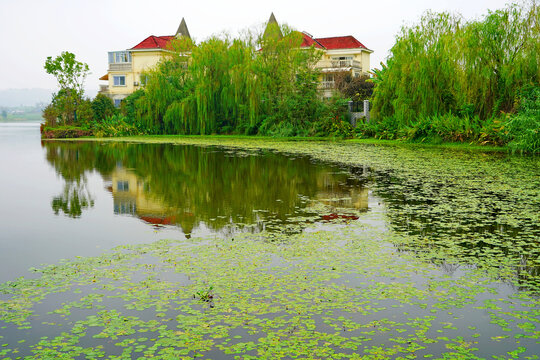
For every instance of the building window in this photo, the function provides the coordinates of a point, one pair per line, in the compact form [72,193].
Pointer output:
[119,80]
[328,77]
[122,185]
[125,207]
[119,57]
[117,102]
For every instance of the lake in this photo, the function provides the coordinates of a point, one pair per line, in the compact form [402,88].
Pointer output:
[249,248]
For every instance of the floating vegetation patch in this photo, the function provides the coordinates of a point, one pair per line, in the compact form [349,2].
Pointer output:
[318,294]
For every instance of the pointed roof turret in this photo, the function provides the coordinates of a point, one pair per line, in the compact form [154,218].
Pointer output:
[272,18]
[272,28]
[183,30]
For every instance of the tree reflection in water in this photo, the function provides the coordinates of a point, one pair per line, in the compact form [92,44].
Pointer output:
[74,199]
[193,187]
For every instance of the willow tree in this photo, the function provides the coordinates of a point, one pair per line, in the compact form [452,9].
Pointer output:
[421,76]
[445,65]
[167,83]
[224,93]
[501,56]
[225,85]
[288,80]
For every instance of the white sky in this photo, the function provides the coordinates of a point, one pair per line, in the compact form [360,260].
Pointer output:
[31,30]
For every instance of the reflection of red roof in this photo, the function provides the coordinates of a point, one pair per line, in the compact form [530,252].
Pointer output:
[340,42]
[153,42]
[158,221]
[339,216]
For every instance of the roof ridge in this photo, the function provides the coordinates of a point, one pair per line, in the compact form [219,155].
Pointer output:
[334,37]
[153,42]
[324,47]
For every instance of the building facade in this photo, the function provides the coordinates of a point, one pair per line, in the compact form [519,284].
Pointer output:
[125,74]
[340,55]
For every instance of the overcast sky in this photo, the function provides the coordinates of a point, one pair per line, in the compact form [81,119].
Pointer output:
[31,30]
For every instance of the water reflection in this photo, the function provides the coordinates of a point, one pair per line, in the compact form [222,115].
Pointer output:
[193,187]
[73,200]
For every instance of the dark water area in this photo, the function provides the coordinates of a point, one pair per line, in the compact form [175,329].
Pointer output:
[183,251]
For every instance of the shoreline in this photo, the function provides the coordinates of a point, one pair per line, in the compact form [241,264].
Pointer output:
[182,139]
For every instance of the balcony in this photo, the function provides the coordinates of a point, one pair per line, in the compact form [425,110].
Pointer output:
[103,88]
[120,67]
[328,85]
[340,65]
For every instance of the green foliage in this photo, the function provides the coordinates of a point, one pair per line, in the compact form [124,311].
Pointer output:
[62,108]
[50,114]
[437,129]
[65,104]
[128,105]
[336,122]
[205,295]
[356,88]
[64,132]
[85,112]
[69,72]
[386,128]
[465,73]
[524,128]
[116,125]
[103,107]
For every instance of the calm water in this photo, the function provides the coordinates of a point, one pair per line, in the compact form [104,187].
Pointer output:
[61,200]
[422,227]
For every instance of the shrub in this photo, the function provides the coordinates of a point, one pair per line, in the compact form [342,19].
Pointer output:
[524,128]
[64,132]
[85,113]
[103,107]
[336,122]
[356,88]
[116,125]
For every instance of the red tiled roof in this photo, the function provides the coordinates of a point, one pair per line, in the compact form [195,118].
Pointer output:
[308,41]
[153,42]
[340,42]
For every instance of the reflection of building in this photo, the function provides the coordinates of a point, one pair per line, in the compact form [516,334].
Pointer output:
[134,195]
[126,67]
[131,196]
[334,194]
